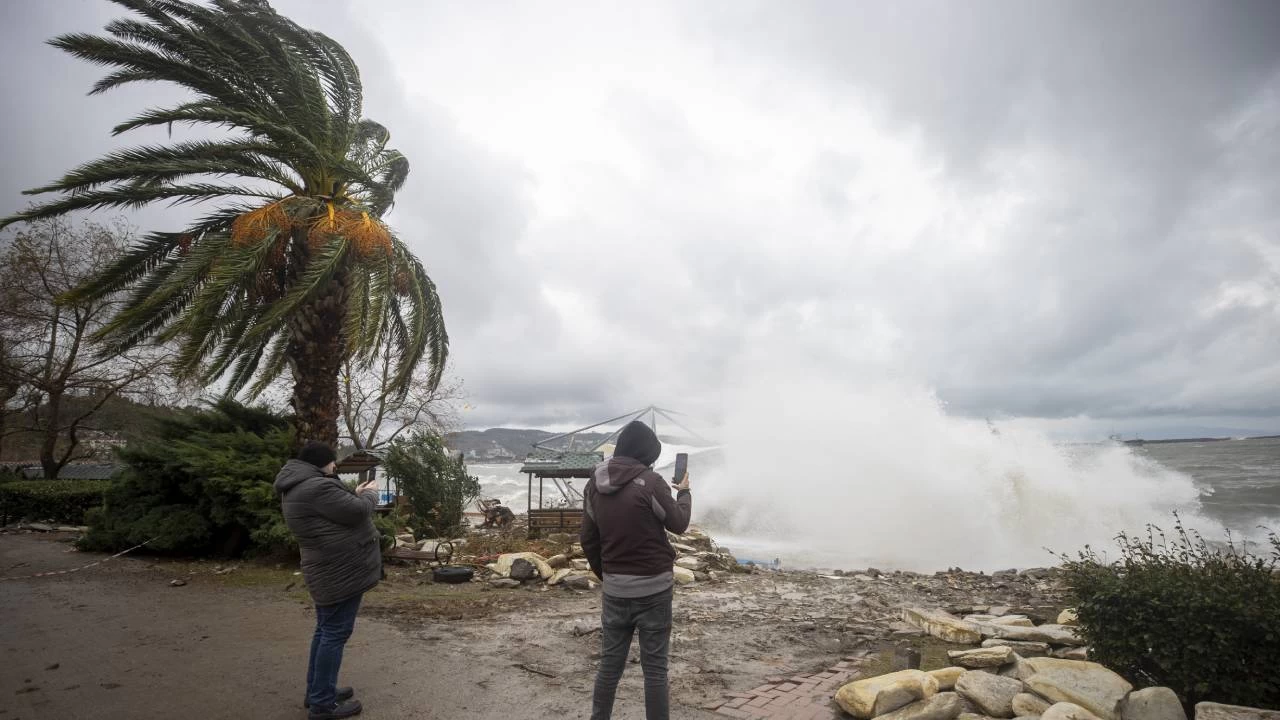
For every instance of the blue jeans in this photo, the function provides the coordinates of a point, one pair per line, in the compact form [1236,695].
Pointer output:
[620,618]
[334,624]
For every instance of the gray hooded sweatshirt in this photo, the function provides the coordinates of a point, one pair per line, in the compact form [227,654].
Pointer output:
[341,557]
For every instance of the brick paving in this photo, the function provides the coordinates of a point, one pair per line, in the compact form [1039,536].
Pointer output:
[799,697]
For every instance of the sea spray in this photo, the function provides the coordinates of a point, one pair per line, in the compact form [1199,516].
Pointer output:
[848,466]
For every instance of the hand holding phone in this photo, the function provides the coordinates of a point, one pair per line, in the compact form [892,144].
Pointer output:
[681,476]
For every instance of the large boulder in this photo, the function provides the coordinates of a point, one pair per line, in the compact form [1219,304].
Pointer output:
[1052,634]
[1087,684]
[1068,617]
[1067,711]
[1071,653]
[580,564]
[992,693]
[985,657]
[522,569]
[558,561]
[875,696]
[691,563]
[683,576]
[1218,711]
[1015,620]
[503,565]
[947,677]
[1153,703]
[1029,704]
[1025,648]
[579,582]
[559,576]
[943,625]
[943,706]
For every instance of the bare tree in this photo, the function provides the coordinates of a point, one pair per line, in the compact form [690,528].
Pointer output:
[373,413]
[52,378]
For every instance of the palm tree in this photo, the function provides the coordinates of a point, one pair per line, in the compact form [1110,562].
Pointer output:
[295,267]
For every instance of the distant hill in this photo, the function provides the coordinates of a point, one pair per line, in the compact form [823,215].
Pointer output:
[508,444]
[117,422]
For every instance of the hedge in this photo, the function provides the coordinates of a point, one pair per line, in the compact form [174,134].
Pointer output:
[1175,611]
[57,501]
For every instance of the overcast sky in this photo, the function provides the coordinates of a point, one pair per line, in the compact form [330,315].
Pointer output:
[1065,211]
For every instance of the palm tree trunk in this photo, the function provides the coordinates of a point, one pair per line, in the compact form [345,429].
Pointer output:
[316,349]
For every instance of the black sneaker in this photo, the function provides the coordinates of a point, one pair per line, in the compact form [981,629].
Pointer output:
[345,709]
[342,694]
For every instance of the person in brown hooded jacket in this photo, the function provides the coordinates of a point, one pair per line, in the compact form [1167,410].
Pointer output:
[628,511]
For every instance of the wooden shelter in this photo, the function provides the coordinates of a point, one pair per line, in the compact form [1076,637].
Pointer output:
[561,465]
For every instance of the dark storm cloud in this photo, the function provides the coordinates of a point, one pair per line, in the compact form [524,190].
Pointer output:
[1045,209]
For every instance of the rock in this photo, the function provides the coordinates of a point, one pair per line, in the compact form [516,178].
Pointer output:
[683,576]
[503,565]
[1071,653]
[67,529]
[1052,634]
[177,583]
[1015,620]
[579,582]
[1068,617]
[1087,684]
[585,626]
[1025,648]
[943,706]
[1218,711]
[999,610]
[946,677]
[972,716]
[691,563]
[558,561]
[992,694]
[522,569]
[1067,711]
[580,564]
[504,583]
[684,549]
[559,575]
[406,539]
[1018,669]
[1029,704]
[943,625]
[982,657]
[40,527]
[875,696]
[1153,703]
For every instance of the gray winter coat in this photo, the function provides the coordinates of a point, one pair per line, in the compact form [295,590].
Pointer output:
[341,557]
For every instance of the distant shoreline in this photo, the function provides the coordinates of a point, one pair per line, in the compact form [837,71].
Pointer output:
[1140,441]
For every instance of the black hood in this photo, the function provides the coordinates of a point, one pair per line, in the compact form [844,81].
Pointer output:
[638,442]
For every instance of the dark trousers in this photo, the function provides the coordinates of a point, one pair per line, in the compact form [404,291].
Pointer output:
[620,618]
[334,624]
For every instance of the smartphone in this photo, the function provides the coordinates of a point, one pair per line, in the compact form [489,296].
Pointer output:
[682,466]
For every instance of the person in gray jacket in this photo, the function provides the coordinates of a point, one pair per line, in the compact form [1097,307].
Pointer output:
[341,560]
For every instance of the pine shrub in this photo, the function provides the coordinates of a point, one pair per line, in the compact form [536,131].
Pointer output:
[436,483]
[201,486]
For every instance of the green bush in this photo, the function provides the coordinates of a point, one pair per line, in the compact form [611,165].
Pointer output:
[201,486]
[57,501]
[435,482]
[1201,620]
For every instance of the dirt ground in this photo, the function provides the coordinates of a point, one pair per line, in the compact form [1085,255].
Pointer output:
[117,641]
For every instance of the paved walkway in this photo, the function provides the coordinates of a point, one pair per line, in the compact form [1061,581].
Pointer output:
[800,697]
